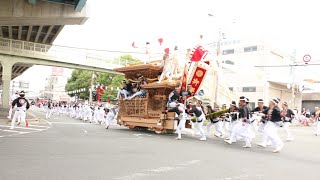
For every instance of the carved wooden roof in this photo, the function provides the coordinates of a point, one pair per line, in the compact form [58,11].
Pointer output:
[150,70]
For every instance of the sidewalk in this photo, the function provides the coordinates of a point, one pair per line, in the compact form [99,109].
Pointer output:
[4,119]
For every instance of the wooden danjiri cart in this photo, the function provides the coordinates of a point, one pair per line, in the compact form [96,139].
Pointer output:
[146,113]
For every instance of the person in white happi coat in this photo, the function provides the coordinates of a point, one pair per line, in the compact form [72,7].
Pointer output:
[101,114]
[216,122]
[242,129]
[234,120]
[230,117]
[200,118]
[49,109]
[13,97]
[20,112]
[110,115]
[173,98]
[317,123]
[288,115]
[84,112]
[274,117]
[167,69]
[180,111]
[79,112]
[96,114]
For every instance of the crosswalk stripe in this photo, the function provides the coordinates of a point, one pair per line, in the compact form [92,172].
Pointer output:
[25,128]
[6,130]
[31,125]
[68,123]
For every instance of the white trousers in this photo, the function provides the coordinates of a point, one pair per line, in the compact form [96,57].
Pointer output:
[181,125]
[317,128]
[96,116]
[49,112]
[271,132]
[200,124]
[244,131]
[10,112]
[254,124]
[101,115]
[286,126]
[109,118]
[20,115]
[226,125]
[218,126]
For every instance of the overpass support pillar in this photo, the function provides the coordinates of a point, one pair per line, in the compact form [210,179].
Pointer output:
[6,78]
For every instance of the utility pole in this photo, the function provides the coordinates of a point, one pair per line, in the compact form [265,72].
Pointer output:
[216,73]
[293,59]
[91,87]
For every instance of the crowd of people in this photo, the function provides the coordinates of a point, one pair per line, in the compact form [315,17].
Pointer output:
[239,122]
[236,123]
[132,89]
[93,113]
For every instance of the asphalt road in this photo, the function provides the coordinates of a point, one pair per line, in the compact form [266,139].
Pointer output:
[70,149]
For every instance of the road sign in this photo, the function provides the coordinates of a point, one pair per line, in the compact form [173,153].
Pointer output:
[306,58]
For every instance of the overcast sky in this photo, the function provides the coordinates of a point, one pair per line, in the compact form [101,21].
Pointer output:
[114,25]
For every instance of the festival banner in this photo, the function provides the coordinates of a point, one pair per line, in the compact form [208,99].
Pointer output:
[198,75]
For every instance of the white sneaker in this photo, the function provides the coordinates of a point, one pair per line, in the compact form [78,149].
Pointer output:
[8,117]
[247,146]
[262,145]
[228,141]
[178,138]
[290,139]
[278,149]
[203,139]
[11,128]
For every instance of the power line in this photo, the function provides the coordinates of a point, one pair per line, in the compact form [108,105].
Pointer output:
[289,65]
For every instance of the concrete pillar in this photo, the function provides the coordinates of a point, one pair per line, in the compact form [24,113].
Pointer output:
[6,78]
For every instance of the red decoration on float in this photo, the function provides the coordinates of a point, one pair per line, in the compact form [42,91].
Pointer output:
[167,50]
[160,40]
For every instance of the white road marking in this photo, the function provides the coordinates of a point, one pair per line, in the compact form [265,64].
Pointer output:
[138,135]
[26,130]
[7,130]
[85,131]
[38,126]
[157,171]
[69,123]
[17,127]
[48,122]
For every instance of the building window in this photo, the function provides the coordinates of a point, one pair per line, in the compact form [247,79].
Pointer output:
[249,89]
[251,105]
[231,89]
[228,51]
[228,62]
[250,49]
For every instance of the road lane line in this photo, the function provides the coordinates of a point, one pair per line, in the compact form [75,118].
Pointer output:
[26,128]
[157,171]
[48,122]
[7,130]
[38,126]
[56,122]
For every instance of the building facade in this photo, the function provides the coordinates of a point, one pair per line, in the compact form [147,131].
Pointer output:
[55,86]
[251,69]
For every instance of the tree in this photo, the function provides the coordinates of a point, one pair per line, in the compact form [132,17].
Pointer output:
[82,79]
[127,58]
[79,79]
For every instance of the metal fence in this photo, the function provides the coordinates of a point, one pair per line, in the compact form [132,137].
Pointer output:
[61,54]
